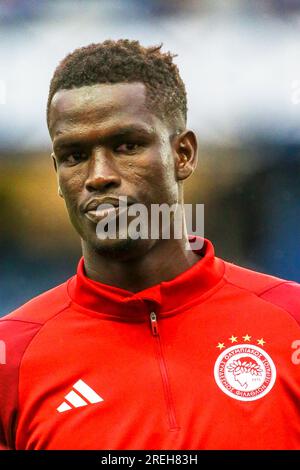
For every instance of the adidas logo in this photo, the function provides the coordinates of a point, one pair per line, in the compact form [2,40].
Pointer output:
[85,397]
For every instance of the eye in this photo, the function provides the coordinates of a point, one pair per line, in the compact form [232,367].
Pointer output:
[129,148]
[75,157]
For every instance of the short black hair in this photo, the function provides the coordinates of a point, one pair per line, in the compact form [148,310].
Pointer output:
[126,61]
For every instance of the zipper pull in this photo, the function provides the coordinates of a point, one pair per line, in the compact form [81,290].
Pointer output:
[154,324]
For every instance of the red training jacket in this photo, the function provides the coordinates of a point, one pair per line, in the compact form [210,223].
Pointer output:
[208,360]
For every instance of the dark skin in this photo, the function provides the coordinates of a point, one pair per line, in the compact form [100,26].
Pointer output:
[106,142]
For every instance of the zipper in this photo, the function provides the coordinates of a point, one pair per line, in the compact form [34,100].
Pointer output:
[164,373]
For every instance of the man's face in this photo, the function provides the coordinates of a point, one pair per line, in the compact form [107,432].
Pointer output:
[107,144]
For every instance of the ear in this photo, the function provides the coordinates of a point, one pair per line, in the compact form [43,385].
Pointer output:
[55,167]
[185,147]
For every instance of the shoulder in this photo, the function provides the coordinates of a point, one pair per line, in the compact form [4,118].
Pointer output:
[19,327]
[17,330]
[279,292]
[40,308]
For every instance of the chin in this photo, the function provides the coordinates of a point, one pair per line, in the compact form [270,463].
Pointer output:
[121,249]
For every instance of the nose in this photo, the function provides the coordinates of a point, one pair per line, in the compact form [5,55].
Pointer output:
[102,173]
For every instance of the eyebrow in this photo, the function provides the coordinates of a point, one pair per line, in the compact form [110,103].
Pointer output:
[69,141]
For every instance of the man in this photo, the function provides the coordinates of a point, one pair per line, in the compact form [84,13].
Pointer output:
[150,345]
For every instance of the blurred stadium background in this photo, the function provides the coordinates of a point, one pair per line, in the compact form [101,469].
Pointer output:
[240,61]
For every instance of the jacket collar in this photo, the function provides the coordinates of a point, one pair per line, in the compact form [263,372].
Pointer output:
[165,298]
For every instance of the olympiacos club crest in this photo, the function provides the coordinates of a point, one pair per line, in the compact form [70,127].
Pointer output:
[244,372]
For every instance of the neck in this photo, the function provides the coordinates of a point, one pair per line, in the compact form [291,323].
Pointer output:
[165,260]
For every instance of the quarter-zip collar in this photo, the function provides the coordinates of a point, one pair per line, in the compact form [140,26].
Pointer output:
[166,298]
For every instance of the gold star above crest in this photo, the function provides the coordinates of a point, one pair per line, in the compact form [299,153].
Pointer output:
[221,346]
[246,338]
[261,341]
[233,339]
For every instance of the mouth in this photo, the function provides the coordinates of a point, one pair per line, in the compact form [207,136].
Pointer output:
[99,214]
[97,209]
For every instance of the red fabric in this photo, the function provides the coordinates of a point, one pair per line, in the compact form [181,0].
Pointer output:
[168,297]
[15,336]
[287,296]
[155,376]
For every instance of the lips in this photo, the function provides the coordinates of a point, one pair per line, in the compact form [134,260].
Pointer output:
[94,212]
[96,215]
[95,203]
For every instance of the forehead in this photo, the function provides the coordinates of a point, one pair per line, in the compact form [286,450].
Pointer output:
[98,105]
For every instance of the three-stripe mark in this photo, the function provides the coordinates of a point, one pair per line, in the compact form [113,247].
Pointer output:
[73,399]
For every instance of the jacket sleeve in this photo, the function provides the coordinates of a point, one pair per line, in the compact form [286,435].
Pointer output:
[15,336]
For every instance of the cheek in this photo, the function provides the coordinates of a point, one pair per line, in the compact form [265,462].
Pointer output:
[71,185]
[164,175]
[153,179]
